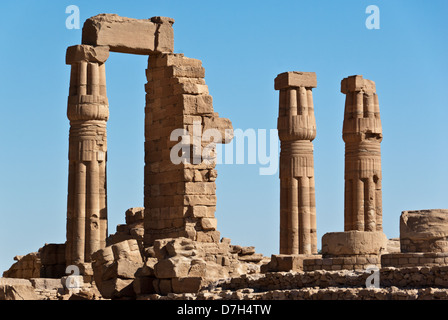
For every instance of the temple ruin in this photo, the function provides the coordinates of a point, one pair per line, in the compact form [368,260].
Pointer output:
[363,240]
[171,248]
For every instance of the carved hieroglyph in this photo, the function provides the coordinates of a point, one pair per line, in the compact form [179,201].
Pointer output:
[297,130]
[362,134]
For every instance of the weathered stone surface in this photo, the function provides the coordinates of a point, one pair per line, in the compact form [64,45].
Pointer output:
[393,245]
[52,258]
[133,229]
[115,268]
[353,243]
[127,35]
[46,283]
[86,53]
[173,267]
[357,83]
[424,231]
[122,268]
[185,285]
[295,79]
[117,288]
[17,289]
[26,267]
[362,134]
[287,262]
[297,129]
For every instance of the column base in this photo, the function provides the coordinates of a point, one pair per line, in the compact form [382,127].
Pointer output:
[349,243]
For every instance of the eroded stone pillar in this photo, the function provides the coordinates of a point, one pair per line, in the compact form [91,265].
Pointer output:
[362,134]
[297,130]
[88,112]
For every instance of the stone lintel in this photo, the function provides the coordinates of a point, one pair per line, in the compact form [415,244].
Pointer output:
[87,53]
[127,35]
[295,79]
[357,83]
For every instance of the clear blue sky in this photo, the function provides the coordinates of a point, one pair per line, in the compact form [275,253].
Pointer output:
[243,46]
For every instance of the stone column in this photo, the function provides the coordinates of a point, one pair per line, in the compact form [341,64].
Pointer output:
[362,134]
[297,130]
[88,112]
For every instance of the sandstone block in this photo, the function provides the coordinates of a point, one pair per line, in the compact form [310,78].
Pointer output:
[103,256]
[196,105]
[208,236]
[127,250]
[122,268]
[200,200]
[223,126]
[247,250]
[256,257]
[174,267]
[117,288]
[285,262]
[186,285]
[200,188]
[26,267]
[191,88]
[170,59]
[126,35]
[134,214]
[209,223]
[46,284]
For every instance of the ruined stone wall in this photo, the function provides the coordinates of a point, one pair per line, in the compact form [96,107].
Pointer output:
[413,277]
[417,283]
[180,194]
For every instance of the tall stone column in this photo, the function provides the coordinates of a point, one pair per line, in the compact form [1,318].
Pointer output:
[88,112]
[297,130]
[362,134]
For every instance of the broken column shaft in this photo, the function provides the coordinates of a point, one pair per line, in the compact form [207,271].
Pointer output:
[297,130]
